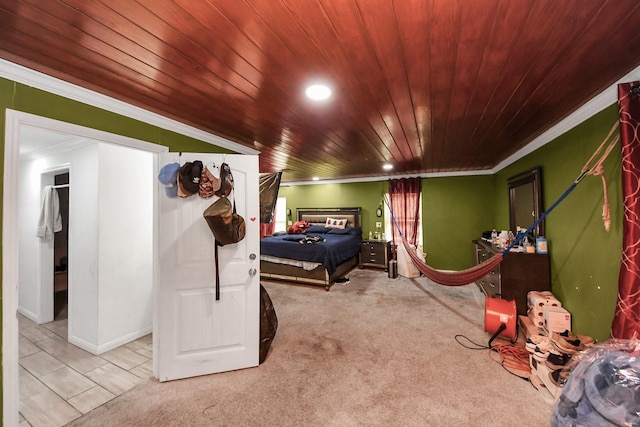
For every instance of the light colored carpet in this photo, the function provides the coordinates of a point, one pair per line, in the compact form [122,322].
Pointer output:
[375,352]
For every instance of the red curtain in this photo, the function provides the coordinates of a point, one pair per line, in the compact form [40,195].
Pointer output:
[626,321]
[267,229]
[404,198]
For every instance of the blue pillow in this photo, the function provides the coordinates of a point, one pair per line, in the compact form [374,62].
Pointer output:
[353,230]
[317,229]
[356,231]
[338,231]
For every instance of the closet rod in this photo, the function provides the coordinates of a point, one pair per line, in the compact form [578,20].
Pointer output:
[60,186]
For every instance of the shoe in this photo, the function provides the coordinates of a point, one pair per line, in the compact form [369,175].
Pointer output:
[541,352]
[533,341]
[544,391]
[343,280]
[559,377]
[568,343]
[585,340]
[557,360]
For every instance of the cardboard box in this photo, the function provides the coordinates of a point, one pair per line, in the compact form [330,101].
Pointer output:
[556,319]
[538,299]
[537,320]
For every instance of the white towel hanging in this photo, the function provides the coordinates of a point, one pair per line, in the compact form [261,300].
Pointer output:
[50,218]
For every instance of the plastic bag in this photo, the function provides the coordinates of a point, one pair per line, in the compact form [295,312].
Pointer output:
[603,388]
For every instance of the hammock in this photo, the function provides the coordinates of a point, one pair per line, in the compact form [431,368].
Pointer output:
[452,278]
[465,277]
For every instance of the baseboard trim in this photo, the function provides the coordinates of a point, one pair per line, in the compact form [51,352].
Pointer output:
[29,315]
[103,348]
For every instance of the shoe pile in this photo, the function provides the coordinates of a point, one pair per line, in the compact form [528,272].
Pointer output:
[551,351]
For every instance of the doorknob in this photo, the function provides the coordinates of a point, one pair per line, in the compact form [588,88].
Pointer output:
[252,272]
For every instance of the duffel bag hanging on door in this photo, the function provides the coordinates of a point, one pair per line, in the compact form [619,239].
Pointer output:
[226,225]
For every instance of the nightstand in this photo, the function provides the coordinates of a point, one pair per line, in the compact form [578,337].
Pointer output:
[375,253]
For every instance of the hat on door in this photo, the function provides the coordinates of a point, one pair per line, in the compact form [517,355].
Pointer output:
[189,178]
[168,177]
[208,184]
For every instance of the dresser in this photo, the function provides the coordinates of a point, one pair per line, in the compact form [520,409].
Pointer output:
[375,253]
[515,276]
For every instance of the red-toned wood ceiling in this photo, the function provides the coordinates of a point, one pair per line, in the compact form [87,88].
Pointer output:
[426,85]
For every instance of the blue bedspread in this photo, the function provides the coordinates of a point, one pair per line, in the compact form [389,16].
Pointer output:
[334,250]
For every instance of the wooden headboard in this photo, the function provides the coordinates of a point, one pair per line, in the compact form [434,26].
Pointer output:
[318,216]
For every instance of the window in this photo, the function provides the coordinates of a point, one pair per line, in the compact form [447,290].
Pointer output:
[388,221]
[281,214]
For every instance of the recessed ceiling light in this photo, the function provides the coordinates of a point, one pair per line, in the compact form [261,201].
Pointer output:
[387,166]
[318,92]
[315,178]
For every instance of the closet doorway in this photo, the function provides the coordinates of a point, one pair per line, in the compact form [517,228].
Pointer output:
[61,251]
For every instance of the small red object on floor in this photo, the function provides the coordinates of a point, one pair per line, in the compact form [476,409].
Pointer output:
[498,311]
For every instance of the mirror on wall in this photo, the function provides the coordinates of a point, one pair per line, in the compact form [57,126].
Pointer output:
[525,201]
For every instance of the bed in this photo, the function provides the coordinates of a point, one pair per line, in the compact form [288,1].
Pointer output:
[284,258]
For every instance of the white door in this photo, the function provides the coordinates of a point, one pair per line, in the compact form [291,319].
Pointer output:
[195,334]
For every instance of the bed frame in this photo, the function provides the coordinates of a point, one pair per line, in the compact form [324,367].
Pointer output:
[318,276]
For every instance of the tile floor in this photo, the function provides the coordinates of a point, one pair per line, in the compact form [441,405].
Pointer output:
[59,382]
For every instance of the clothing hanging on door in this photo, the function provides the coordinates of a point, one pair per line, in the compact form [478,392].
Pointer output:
[50,220]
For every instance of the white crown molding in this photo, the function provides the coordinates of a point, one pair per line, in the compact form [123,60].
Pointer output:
[589,109]
[59,87]
[388,177]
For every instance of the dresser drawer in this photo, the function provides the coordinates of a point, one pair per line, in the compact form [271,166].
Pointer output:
[375,254]
[490,283]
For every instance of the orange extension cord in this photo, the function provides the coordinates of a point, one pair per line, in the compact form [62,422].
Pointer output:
[513,359]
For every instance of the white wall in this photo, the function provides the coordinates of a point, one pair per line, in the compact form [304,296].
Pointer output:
[29,205]
[83,262]
[110,243]
[125,224]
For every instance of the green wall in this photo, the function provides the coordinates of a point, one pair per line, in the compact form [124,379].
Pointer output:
[367,195]
[19,97]
[584,257]
[455,211]
[27,99]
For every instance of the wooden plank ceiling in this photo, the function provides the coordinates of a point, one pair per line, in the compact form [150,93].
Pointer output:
[425,85]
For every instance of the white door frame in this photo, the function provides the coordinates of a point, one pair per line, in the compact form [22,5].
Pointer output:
[10,239]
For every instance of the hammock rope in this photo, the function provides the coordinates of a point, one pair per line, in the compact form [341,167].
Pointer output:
[596,169]
[469,275]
